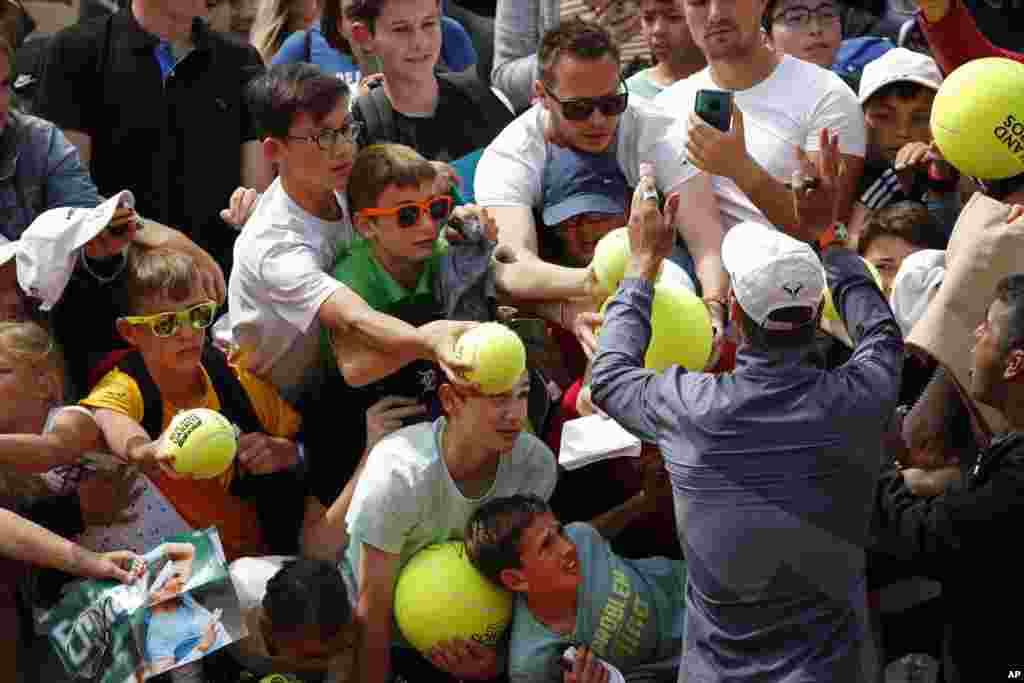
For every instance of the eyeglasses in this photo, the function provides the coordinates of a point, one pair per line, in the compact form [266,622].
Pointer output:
[199,317]
[582,108]
[329,138]
[409,214]
[800,17]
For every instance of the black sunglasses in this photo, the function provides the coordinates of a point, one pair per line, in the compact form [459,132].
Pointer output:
[582,108]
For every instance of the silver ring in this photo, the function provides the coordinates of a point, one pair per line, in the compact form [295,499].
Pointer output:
[648,194]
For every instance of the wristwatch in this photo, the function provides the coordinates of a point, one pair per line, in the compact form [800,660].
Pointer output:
[835,234]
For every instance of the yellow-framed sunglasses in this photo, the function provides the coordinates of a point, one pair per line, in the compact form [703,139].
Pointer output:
[199,317]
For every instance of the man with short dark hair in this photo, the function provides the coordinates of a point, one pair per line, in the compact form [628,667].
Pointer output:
[585,106]
[153,99]
[773,465]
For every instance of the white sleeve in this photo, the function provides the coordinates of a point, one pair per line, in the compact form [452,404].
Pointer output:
[510,171]
[840,112]
[660,139]
[294,282]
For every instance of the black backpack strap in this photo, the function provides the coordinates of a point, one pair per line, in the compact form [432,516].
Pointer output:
[375,112]
[308,51]
[280,497]
[484,101]
[234,400]
[152,404]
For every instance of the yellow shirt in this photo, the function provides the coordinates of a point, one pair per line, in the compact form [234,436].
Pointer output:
[206,502]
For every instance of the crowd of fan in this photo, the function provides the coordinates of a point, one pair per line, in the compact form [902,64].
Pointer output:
[295,226]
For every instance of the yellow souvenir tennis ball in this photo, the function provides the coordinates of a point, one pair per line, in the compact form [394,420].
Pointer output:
[202,441]
[681,331]
[978,118]
[440,595]
[497,355]
[610,257]
[830,312]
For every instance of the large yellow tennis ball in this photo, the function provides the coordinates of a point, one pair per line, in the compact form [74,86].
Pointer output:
[440,595]
[830,312]
[611,254]
[202,441]
[978,118]
[681,331]
[497,355]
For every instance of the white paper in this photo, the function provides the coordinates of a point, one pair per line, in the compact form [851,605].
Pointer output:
[594,438]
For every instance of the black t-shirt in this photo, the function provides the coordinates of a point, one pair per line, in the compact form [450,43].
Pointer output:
[175,144]
[467,118]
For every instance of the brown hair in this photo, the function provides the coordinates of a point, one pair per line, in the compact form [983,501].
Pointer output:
[909,220]
[152,272]
[577,38]
[330,15]
[379,166]
[368,12]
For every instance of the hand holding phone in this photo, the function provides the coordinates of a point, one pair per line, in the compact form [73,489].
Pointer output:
[715,108]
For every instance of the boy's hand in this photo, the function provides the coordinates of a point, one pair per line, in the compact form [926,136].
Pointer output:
[442,336]
[386,415]
[586,668]
[465,659]
[150,457]
[261,453]
[240,206]
[920,156]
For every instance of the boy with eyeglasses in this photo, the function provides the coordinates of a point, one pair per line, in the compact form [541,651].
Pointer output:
[174,369]
[810,31]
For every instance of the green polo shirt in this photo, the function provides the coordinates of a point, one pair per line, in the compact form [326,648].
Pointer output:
[361,271]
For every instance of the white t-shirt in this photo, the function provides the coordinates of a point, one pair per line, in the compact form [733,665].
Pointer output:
[406,499]
[511,170]
[278,283]
[784,111]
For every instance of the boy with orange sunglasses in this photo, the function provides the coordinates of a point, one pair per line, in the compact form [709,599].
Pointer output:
[398,264]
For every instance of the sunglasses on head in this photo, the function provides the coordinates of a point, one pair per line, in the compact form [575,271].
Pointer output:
[199,317]
[439,208]
[582,108]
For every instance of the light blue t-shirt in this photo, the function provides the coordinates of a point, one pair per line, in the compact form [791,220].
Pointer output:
[322,54]
[175,633]
[629,611]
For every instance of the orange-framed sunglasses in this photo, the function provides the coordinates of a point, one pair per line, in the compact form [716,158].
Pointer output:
[439,208]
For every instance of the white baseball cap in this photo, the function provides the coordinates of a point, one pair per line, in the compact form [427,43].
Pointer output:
[918,278]
[49,247]
[771,271]
[898,64]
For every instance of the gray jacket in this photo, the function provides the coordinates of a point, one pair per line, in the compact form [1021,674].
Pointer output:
[519,26]
[773,469]
[39,170]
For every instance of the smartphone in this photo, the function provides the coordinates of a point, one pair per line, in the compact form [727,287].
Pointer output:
[715,107]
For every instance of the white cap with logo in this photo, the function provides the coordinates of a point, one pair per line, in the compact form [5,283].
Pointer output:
[48,248]
[771,271]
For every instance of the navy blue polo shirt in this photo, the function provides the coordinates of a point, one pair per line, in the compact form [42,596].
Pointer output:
[174,141]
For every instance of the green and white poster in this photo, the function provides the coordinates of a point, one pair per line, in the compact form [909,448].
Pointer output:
[180,609]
